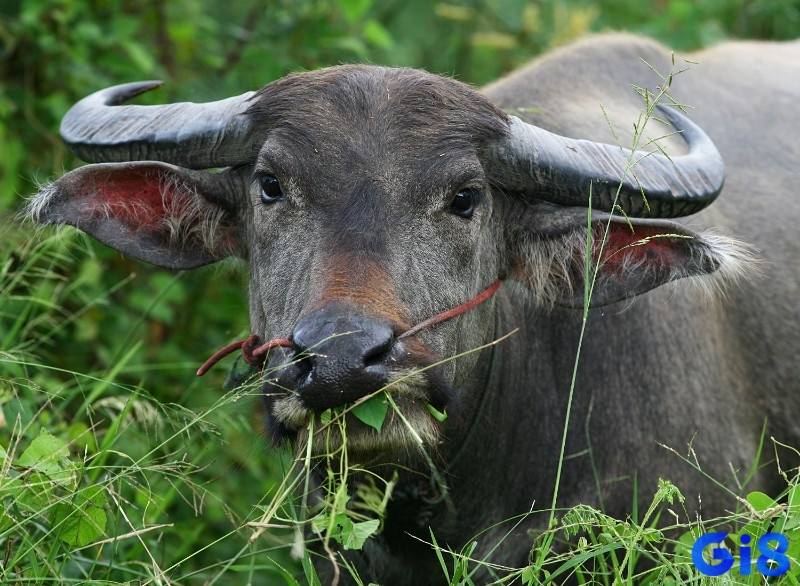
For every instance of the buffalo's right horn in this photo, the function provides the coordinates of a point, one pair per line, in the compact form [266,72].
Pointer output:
[546,166]
[197,136]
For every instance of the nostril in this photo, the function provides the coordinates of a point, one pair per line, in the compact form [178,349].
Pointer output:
[304,367]
[378,352]
[302,362]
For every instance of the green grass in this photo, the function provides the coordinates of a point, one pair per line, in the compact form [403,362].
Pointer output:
[102,480]
[105,481]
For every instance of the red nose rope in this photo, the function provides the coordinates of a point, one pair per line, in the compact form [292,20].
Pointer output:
[255,354]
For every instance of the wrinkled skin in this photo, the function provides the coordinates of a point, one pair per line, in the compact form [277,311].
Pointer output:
[371,226]
[366,238]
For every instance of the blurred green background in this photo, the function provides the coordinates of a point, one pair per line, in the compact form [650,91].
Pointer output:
[82,308]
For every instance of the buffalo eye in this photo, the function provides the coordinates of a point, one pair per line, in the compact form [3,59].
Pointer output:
[463,203]
[270,189]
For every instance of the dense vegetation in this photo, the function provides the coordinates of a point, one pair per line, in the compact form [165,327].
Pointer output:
[104,430]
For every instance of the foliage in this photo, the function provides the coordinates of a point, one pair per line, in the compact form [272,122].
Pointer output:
[98,477]
[608,551]
[115,463]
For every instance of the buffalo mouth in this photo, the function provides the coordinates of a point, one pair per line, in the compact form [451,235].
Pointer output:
[409,427]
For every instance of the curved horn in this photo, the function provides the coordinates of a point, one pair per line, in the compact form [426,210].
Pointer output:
[546,166]
[197,136]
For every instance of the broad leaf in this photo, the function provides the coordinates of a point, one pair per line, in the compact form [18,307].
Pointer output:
[760,501]
[373,411]
[49,455]
[82,521]
[359,533]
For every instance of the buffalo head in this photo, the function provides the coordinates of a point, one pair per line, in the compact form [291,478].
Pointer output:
[364,201]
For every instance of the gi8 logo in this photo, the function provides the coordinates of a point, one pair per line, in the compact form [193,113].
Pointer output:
[767,554]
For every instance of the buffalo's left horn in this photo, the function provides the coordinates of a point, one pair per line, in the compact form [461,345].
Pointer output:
[546,166]
[197,136]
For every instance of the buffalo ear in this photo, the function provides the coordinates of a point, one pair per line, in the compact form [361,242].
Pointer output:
[627,256]
[155,212]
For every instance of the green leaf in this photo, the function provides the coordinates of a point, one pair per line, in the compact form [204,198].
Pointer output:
[794,497]
[790,518]
[326,416]
[43,451]
[529,576]
[34,494]
[49,455]
[652,535]
[683,547]
[792,521]
[342,525]
[435,413]
[320,522]
[793,535]
[373,411]
[359,533]
[439,556]
[351,535]
[6,521]
[760,501]
[82,521]
[11,487]
[667,492]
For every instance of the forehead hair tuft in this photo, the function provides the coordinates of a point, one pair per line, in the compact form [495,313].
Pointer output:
[395,101]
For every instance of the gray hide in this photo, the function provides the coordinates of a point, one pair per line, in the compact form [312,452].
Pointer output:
[381,197]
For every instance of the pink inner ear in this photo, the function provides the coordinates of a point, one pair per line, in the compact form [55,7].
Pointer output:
[648,245]
[137,198]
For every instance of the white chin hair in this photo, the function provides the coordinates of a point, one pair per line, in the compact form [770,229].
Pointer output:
[366,444]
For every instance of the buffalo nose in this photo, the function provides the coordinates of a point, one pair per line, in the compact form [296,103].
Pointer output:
[339,358]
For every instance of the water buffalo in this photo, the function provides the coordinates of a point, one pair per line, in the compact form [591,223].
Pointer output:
[367,199]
